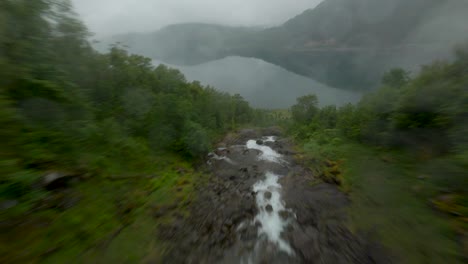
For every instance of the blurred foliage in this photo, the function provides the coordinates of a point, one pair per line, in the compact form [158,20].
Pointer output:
[305,108]
[418,127]
[426,115]
[115,122]
[65,106]
[396,78]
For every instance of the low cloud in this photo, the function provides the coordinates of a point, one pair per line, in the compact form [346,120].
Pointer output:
[105,17]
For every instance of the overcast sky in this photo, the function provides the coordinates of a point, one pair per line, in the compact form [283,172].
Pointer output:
[106,17]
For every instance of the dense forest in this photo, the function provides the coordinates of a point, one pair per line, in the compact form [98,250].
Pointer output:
[64,105]
[68,111]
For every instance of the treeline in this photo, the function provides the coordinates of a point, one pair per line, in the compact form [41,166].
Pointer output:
[426,115]
[401,154]
[64,106]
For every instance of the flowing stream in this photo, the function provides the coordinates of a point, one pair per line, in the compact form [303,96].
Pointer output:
[271,206]
[258,207]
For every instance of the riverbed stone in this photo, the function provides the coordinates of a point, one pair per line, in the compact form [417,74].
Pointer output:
[227,199]
[284,214]
[269,208]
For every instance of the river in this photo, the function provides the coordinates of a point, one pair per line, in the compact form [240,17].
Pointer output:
[261,205]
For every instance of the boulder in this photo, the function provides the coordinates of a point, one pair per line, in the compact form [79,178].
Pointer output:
[57,180]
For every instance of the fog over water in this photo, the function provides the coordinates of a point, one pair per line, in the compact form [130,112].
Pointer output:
[124,16]
[263,84]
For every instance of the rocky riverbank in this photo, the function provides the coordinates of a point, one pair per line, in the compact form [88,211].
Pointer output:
[259,206]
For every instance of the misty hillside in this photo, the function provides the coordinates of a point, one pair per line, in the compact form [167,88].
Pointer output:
[262,84]
[185,44]
[345,44]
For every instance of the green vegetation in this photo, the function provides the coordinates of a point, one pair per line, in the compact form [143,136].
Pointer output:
[102,219]
[98,150]
[344,44]
[122,133]
[401,154]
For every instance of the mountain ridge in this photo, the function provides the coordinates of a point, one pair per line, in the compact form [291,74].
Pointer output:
[344,44]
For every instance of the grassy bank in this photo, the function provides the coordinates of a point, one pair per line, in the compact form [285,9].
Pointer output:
[107,219]
[395,198]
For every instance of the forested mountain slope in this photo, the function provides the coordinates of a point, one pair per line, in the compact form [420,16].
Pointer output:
[346,44]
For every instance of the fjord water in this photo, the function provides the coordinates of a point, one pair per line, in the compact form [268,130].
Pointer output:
[262,84]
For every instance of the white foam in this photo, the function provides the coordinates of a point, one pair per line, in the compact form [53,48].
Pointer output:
[267,154]
[269,139]
[272,224]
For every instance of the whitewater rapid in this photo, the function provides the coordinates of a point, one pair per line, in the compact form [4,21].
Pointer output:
[268,199]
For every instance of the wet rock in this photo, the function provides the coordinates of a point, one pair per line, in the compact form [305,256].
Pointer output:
[271,131]
[8,204]
[228,223]
[260,142]
[222,217]
[306,243]
[249,233]
[269,208]
[56,180]
[170,231]
[284,214]
[178,215]
[249,245]
[194,238]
